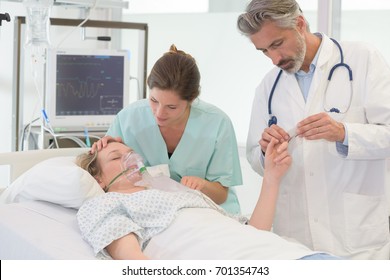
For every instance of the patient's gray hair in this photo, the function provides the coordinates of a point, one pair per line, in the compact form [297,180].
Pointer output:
[282,12]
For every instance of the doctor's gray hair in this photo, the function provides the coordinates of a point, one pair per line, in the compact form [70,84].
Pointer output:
[282,12]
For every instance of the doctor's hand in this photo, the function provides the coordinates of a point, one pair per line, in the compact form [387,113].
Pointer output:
[102,143]
[273,132]
[321,126]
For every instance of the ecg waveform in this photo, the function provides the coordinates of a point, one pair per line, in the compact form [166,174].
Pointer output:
[89,85]
[80,89]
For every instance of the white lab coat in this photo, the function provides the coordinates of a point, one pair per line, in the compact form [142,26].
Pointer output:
[328,201]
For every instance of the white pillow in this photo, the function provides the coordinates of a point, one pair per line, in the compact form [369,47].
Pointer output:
[58,180]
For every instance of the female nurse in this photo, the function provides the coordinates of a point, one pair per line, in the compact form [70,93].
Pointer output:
[173,126]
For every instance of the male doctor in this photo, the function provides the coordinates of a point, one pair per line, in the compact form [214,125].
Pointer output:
[334,196]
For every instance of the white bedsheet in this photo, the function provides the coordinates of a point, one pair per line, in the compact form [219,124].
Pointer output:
[198,234]
[40,230]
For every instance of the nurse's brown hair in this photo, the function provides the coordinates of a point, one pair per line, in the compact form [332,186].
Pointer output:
[176,71]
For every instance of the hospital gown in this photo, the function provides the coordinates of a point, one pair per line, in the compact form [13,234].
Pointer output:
[178,225]
[146,213]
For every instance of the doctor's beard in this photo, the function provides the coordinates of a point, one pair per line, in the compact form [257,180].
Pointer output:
[294,64]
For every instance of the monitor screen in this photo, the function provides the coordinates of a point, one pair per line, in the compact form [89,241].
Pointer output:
[85,88]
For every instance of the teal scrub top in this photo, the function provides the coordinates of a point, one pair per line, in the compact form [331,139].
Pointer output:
[208,148]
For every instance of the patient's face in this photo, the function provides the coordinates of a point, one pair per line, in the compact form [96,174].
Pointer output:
[109,161]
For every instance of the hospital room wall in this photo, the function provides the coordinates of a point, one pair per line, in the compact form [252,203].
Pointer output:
[230,66]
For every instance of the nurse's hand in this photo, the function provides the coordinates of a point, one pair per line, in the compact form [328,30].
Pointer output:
[102,143]
[193,182]
[214,190]
[321,126]
[273,132]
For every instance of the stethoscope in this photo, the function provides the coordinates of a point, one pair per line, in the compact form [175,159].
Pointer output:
[274,120]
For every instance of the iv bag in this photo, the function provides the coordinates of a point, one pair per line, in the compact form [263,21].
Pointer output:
[38,22]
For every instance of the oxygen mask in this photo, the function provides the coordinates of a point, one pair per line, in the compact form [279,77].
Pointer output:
[134,170]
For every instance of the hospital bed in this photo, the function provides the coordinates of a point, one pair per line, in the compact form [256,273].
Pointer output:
[48,187]
[42,223]
[35,229]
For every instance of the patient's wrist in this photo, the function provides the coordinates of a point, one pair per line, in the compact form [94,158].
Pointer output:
[269,180]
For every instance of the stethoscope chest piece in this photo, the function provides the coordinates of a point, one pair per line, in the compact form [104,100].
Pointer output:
[272,120]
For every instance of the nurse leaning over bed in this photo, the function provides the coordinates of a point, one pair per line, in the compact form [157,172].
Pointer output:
[172,126]
[135,222]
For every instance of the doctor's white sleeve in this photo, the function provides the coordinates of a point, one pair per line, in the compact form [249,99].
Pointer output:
[369,125]
[258,122]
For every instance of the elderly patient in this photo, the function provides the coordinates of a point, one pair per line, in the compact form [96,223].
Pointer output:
[131,221]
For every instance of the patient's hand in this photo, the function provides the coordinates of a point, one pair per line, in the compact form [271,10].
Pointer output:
[102,143]
[277,160]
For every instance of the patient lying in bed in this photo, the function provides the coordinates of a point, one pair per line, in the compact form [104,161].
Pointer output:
[131,221]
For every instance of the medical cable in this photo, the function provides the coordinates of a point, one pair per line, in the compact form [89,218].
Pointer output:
[87,138]
[46,120]
[23,137]
[49,128]
[74,138]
